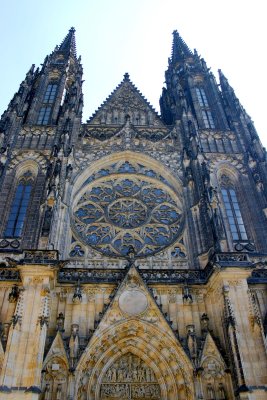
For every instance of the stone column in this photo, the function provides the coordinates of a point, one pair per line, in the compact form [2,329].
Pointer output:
[21,372]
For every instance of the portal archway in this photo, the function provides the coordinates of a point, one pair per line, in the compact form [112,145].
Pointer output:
[169,371]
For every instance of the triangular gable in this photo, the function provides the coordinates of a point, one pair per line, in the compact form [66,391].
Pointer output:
[210,351]
[124,102]
[133,300]
[57,349]
[134,325]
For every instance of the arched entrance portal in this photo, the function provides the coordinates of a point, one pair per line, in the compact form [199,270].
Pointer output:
[134,353]
[129,377]
[134,361]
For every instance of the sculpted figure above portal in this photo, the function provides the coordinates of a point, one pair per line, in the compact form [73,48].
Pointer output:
[129,378]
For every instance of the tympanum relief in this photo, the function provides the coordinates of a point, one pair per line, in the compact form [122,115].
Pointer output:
[129,378]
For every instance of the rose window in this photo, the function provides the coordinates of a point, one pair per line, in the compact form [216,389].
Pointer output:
[127,212]
[115,213]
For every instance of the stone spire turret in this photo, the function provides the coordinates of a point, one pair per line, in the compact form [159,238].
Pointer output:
[180,50]
[68,44]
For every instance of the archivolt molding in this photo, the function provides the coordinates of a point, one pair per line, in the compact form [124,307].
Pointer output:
[122,157]
[28,159]
[225,168]
[172,369]
[233,163]
[96,150]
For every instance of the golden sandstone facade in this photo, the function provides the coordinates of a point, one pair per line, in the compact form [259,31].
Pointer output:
[132,247]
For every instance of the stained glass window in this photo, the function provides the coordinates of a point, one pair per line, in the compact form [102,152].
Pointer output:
[18,210]
[116,213]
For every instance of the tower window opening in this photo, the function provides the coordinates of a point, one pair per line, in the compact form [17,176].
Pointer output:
[18,210]
[233,213]
[202,98]
[50,93]
[205,109]
[208,120]
[44,115]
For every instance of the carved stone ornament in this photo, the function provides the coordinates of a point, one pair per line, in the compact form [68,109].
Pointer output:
[115,213]
[129,378]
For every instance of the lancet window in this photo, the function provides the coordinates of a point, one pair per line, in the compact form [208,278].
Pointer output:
[44,115]
[205,109]
[17,214]
[48,101]
[233,212]
[50,93]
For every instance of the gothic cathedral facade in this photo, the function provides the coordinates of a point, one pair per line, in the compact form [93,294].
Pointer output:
[133,252]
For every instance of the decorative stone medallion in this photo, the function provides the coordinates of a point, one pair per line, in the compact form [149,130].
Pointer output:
[133,302]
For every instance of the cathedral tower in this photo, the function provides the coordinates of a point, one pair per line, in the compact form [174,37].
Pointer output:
[132,246]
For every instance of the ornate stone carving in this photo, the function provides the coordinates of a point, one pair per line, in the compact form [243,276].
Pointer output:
[129,378]
[40,256]
[114,214]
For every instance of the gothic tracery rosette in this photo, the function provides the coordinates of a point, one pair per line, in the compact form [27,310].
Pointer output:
[117,211]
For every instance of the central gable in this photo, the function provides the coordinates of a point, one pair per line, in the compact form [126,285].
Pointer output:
[126,103]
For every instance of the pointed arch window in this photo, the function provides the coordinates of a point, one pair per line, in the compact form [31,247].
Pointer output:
[20,203]
[208,120]
[50,93]
[48,101]
[233,212]
[202,98]
[44,115]
[205,108]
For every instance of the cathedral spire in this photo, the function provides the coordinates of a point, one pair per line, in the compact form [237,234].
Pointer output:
[68,45]
[229,95]
[224,82]
[180,50]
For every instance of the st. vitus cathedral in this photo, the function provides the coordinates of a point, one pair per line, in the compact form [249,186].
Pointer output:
[133,253]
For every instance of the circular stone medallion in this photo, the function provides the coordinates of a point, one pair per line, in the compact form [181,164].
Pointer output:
[133,302]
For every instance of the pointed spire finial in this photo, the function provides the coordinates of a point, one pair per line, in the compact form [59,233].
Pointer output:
[180,50]
[69,44]
[126,76]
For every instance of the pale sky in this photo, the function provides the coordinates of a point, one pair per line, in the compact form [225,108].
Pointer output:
[135,36]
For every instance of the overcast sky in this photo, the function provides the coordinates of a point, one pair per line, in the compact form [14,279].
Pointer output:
[135,36]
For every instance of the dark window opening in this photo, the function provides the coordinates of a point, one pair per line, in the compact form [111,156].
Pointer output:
[205,109]
[18,210]
[234,216]
[208,120]
[50,93]
[44,115]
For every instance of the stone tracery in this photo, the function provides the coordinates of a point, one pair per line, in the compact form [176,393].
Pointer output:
[123,210]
